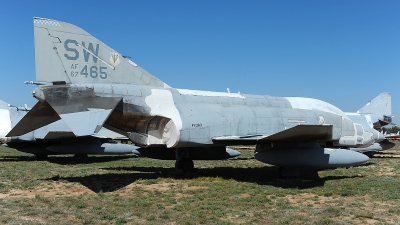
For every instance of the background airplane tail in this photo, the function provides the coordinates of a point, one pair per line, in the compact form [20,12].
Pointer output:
[67,53]
[381,105]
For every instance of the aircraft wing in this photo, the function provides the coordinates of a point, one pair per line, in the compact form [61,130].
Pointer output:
[297,133]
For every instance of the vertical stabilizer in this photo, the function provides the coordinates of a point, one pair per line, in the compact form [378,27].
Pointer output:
[67,53]
[381,105]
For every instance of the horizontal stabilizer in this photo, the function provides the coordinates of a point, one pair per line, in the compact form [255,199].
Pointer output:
[40,115]
[87,122]
[85,116]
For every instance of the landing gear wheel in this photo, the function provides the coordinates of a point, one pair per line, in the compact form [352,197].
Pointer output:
[184,165]
[187,165]
[183,162]
[178,165]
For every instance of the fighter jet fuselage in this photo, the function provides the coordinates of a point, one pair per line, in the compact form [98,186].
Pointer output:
[186,118]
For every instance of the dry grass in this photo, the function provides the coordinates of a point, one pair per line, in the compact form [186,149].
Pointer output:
[129,190]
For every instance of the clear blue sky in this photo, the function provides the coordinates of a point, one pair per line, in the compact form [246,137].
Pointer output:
[342,52]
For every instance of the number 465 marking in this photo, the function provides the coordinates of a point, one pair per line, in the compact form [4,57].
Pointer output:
[94,72]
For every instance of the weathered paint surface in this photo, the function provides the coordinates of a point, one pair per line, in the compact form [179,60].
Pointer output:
[90,75]
[87,75]
[164,116]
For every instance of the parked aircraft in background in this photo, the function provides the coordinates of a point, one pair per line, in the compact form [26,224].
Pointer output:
[393,136]
[90,85]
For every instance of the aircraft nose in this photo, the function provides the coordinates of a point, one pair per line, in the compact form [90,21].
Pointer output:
[38,94]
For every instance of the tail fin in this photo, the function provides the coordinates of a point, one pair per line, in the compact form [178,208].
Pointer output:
[67,53]
[381,105]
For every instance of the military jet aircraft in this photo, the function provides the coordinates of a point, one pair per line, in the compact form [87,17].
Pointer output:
[89,85]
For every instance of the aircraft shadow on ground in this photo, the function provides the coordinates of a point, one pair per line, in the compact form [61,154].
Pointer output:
[385,155]
[365,164]
[17,159]
[65,160]
[97,159]
[263,176]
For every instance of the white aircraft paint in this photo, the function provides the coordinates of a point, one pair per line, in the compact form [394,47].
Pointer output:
[5,125]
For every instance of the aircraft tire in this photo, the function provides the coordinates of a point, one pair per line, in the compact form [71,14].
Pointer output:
[187,165]
[184,165]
